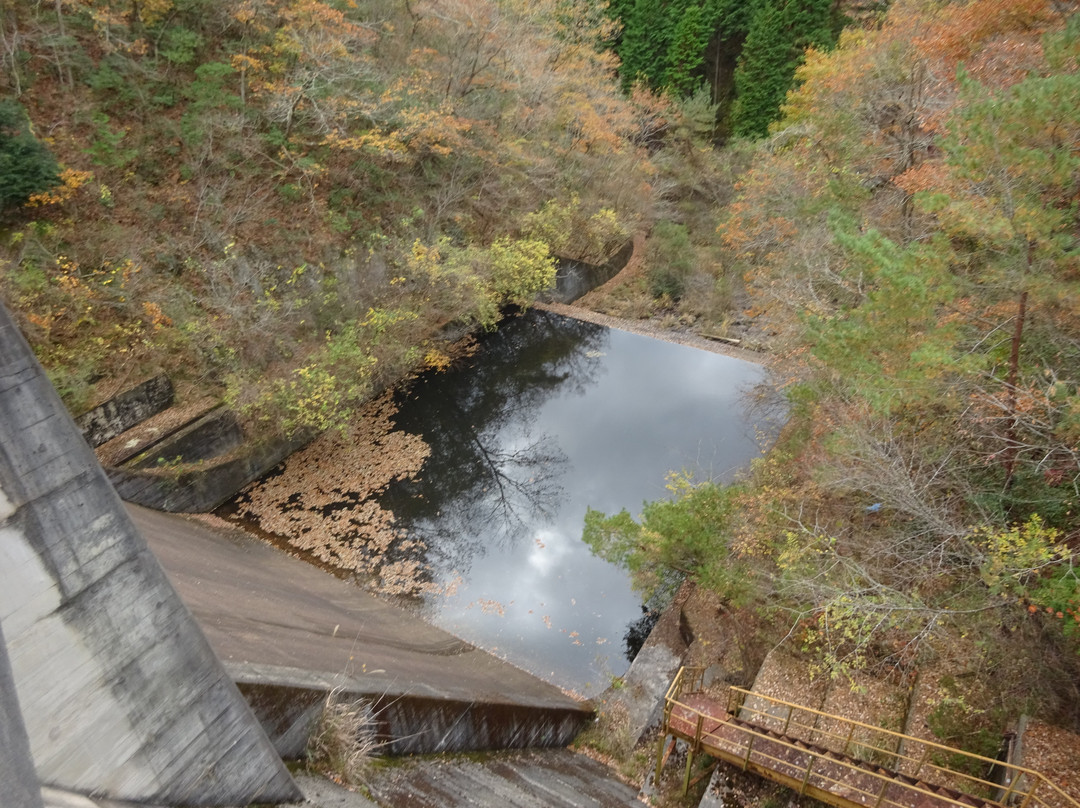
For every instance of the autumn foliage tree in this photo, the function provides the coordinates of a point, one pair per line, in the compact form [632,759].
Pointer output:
[266,168]
[909,230]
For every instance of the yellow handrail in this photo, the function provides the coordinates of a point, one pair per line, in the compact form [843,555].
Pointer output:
[690,679]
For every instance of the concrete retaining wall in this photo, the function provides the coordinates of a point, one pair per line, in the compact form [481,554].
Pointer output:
[214,434]
[407,724]
[202,487]
[119,691]
[120,413]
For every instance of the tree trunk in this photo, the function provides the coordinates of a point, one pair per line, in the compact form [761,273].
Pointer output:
[1011,382]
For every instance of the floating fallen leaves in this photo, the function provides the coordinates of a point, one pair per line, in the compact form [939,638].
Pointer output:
[323,501]
[490,607]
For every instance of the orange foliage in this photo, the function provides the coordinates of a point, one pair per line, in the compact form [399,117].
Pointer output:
[997,41]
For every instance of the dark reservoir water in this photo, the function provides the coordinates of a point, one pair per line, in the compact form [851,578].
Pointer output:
[552,416]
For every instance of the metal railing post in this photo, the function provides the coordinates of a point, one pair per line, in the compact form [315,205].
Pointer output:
[922,760]
[690,755]
[660,756]
[787,721]
[806,777]
[881,794]
[847,743]
[665,728]
[1030,794]
[1013,780]
[749,747]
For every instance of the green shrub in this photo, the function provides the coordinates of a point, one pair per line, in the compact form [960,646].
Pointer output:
[670,260]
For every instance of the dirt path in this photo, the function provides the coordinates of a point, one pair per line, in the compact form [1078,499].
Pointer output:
[650,329]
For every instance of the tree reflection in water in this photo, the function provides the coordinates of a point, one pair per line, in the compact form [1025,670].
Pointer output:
[489,480]
[496,462]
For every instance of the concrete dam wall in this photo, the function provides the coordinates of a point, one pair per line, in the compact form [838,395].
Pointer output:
[21,789]
[119,692]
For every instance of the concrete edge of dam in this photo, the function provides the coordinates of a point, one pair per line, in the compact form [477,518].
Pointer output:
[120,694]
[290,634]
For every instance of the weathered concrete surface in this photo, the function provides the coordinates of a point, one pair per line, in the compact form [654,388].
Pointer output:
[289,632]
[18,780]
[123,411]
[212,435]
[203,486]
[528,779]
[119,691]
[640,700]
[535,779]
[153,430]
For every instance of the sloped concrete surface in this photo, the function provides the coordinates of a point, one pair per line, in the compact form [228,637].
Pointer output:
[119,691]
[550,778]
[289,633]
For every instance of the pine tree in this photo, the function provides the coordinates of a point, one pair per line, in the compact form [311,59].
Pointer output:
[779,34]
[686,53]
[27,167]
[647,26]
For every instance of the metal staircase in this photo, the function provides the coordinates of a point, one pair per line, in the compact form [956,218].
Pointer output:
[838,761]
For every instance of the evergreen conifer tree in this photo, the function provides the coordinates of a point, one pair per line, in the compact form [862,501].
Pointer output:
[27,167]
[779,34]
[686,53]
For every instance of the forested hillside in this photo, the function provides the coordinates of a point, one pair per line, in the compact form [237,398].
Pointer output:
[285,201]
[741,54]
[910,231]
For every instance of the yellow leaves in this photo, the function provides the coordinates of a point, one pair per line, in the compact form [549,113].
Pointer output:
[436,359]
[571,231]
[426,260]
[437,131]
[155,315]
[1015,554]
[71,180]
[412,132]
[680,483]
[380,320]
[154,11]
[244,13]
[520,268]
[312,64]
[376,141]
[246,63]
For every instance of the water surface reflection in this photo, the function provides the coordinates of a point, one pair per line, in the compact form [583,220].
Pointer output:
[551,416]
